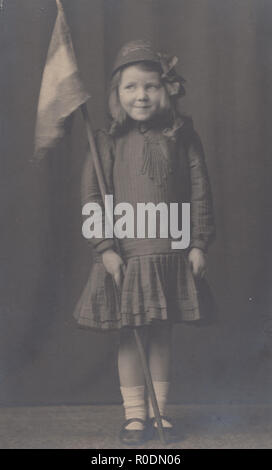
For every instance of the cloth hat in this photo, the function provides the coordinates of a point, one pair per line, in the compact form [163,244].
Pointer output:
[139,51]
[135,51]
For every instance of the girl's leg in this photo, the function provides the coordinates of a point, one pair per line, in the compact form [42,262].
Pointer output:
[132,382]
[160,334]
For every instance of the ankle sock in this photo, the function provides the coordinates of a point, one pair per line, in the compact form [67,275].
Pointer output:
[134,405]
[161,392]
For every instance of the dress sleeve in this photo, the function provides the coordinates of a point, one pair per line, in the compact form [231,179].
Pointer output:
[90,189]
[202,217]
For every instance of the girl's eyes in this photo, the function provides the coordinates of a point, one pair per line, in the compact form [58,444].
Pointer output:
[149,86]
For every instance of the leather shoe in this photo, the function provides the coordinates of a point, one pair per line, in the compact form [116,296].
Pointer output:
[133,436]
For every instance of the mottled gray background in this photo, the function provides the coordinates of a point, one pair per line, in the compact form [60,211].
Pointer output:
[224,47]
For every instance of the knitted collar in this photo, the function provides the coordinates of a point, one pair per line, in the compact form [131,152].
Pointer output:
[171,132]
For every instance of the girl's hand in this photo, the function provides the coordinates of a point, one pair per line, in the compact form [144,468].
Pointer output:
[197,262]
[114,265]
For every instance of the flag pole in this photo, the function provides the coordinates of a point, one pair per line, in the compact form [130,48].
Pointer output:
[138,340]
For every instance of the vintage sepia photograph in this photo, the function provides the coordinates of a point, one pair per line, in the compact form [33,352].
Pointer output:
[136,306]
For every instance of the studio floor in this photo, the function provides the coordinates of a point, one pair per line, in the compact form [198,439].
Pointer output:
[97,427]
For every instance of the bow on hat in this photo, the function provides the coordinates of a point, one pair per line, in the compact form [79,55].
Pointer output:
[173,82]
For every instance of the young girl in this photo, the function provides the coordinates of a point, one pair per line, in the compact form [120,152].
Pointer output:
[151,153]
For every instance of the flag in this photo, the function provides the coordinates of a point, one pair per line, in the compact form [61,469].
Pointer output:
[61,90]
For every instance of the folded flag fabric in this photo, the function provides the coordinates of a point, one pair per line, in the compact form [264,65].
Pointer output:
[61,90]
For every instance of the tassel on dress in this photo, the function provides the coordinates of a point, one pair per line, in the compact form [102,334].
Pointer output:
[155,161]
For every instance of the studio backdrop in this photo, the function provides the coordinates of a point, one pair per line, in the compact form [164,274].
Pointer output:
[224,50]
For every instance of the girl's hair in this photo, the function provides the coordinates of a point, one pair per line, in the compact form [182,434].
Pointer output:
[118,116]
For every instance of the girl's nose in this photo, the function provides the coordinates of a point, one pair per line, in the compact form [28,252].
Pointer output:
[141,93]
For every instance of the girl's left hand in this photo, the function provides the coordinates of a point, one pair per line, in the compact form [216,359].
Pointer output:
[197,262]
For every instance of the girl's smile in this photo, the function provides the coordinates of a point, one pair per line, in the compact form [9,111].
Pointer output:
[141,92]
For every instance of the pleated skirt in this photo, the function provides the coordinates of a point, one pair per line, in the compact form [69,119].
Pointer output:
[155,287]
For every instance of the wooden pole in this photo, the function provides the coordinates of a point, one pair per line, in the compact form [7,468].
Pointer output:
[102,187]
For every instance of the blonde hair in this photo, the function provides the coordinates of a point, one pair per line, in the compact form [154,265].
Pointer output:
[118,116]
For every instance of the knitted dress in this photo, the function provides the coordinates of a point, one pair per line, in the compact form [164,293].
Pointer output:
[147,164]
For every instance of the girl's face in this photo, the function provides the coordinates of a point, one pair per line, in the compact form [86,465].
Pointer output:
[141,93]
